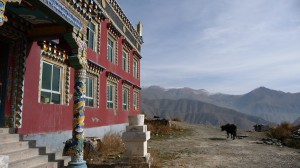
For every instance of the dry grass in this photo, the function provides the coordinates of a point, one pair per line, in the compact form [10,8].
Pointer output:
[177,119]
[155,158]
[282,132]
[158,129]
[112,145]
[293,143]
[158,157]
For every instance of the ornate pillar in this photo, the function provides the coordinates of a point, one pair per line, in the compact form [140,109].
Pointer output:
[78,119]
[79,62]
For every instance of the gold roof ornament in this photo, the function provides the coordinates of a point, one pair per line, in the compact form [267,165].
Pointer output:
[140,29]
[103,3]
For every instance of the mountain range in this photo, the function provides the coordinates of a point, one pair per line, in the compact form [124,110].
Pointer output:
[261,105]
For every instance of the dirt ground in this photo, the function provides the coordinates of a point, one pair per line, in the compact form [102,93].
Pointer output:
[208,147]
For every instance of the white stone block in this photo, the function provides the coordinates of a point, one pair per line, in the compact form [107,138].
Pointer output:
[136,136]
[136,119]
[4,161]
[134,149]
[136,128]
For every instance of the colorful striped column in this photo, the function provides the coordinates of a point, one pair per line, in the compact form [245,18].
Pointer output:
[78,120]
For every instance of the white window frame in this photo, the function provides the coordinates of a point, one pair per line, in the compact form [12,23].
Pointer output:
[52,91]
[135,100]
[111,99]
[111,58]
[125,105]
[87,89]
[125,60]
[135,68]
[94,32]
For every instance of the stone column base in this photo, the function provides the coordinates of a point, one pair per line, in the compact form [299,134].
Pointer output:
[144,162]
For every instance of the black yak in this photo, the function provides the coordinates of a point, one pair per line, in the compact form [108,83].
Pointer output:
[230,129]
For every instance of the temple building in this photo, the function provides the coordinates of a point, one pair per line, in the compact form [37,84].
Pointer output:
[67,66]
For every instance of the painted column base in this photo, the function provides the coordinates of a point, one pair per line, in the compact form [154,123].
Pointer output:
[77,164]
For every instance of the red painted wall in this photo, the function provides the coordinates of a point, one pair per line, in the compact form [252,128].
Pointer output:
[38,117]
[43,118]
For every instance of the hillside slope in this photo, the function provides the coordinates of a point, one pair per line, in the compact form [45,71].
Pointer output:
[275,106]
[194,111]
[271,105]
[297,121]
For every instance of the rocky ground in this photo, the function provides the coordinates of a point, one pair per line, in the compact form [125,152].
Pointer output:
[208,147]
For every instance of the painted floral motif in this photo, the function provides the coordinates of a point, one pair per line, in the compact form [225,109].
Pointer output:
[2,9]
[3,18]
[82,48]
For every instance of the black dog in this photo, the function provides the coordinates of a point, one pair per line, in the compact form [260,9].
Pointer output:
[230,129]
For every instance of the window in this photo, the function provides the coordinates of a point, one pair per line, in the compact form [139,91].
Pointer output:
[110,95]
[135,100]
[51,83]
[125,99]
[91,35]
[135,68]
[125,61]
[110,50]
[89,96]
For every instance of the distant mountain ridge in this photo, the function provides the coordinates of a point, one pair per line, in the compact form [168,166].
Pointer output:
[271,105]
[194,111]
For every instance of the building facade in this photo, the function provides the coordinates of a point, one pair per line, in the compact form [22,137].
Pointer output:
[49,49]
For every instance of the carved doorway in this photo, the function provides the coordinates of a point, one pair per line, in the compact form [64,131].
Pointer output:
[4,53]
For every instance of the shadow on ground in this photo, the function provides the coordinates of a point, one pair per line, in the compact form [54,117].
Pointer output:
[217,139]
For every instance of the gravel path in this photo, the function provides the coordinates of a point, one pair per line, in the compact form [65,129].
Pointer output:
[208,147]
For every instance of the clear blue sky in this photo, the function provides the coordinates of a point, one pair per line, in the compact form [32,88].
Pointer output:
[228,46]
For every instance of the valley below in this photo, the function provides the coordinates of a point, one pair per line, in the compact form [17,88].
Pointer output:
[208,147]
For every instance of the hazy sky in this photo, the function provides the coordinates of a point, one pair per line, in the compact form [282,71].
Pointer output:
[228,46]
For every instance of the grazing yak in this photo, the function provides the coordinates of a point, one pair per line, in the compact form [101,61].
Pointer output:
[230,129]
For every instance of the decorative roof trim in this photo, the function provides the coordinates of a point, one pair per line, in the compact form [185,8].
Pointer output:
[126,43]
[137,54]
[114,4]
[49,49]
[95,67]
[87,9]
[112,28]
[92,9]
[137,87]
[109,21]
[127,82]
[111,74]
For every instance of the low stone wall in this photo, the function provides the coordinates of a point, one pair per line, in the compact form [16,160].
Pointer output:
[119,165]
[55,141]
